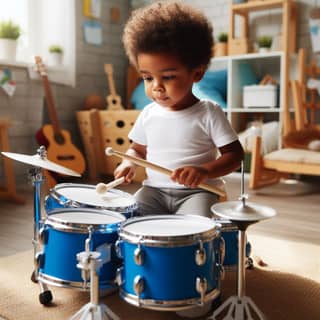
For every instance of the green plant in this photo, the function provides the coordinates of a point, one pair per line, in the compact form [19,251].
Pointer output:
[55,49]
[265,41]
[9,30]
[223,37]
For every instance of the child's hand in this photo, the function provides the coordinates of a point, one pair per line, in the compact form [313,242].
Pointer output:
[189,176]
[126,169]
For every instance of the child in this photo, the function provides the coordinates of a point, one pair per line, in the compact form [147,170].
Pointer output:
[170,45]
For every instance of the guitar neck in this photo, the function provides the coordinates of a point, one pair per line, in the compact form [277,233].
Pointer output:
[112,87]
[50,103]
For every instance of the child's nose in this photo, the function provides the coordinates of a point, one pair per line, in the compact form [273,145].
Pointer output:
[157,86]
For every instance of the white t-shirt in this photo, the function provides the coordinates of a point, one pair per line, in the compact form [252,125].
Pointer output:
[178,138]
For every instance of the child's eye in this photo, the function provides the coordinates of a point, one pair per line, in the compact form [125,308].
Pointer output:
[168,77]
[147,79]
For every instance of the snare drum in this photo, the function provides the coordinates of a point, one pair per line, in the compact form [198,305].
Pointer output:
[170,262]
[63,236]
[229,232]
[71,195]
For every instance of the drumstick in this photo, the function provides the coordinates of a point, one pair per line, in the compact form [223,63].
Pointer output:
[103,188]
[146,164]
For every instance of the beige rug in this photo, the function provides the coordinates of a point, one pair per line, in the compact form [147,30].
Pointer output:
[280,296]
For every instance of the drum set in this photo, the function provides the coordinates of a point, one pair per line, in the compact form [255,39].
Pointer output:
[91,238]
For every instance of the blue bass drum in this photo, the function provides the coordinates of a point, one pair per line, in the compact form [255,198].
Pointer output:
[170,262]
[72,195]
[63,236]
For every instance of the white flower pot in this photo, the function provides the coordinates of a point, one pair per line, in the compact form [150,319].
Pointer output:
[8,49]
[55,59]
[264,49]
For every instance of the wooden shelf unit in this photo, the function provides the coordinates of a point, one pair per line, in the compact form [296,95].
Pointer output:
[289,27]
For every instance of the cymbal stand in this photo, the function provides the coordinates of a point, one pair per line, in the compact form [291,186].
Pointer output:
[91,261]
[37,178]
[240,307]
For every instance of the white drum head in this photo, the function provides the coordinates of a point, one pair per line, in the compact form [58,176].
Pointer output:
[86,194]
[88,218]
[169,226]
[81,219]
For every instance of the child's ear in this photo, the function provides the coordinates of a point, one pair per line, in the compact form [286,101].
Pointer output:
[198,73]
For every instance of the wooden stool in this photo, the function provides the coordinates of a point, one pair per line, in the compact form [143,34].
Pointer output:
[8,191]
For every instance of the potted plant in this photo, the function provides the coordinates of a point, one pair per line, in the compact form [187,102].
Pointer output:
[9,33]
[55,55]
[264,43]
[221,47]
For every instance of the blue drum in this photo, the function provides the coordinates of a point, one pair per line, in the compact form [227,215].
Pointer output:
[170,262]
[63,235]
[72,195]
[229,232]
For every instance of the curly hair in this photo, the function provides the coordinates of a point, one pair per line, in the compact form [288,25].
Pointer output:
[171,27]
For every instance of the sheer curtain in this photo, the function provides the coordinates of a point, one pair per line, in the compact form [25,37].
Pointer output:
[43,23]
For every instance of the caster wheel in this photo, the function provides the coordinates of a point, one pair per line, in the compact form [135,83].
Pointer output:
[249,263]
[33,277]
[45,297]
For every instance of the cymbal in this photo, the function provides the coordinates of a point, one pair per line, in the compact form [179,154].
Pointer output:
[236,210]
[37,161]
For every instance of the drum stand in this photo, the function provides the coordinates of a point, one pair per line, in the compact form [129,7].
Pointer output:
[35,174]
[241,307]
[89,261]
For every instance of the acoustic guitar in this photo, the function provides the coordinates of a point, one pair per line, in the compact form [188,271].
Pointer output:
[113,100]
[57,141]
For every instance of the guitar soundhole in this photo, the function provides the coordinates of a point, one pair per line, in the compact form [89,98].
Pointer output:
[120,123]
[114,101]
[59,138]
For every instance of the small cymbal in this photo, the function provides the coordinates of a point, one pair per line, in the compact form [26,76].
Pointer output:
[37,161]
[235,210]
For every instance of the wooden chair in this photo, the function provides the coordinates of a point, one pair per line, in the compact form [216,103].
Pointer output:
[8,191]
[304,98]
[268,169]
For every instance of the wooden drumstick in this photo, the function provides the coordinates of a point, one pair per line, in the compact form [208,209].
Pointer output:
[103,188]
[146,164]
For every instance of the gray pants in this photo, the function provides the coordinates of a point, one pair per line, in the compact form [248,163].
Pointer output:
[154,201]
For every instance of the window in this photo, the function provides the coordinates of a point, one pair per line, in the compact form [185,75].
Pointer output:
[43,23]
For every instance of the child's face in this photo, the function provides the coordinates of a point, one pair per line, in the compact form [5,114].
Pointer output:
[167,81]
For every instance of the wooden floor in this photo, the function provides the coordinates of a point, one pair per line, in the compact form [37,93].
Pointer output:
[298,218]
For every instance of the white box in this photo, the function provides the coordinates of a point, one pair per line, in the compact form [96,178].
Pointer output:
[260,96]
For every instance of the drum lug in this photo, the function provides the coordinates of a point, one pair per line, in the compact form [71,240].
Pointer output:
[200,256]
[219,258]
[119,278]
[39,260]
[222,250]
[42,236]
[201,287]
[138,286]
[138,256]
[117,247]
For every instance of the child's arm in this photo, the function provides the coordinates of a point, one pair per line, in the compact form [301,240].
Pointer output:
[127,169]
[230,160]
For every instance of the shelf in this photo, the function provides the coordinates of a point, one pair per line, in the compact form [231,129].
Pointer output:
[248,110]
[244,8]
[256,55]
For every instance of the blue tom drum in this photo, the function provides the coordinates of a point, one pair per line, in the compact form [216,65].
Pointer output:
[73,195]
[62,237]
[170,262]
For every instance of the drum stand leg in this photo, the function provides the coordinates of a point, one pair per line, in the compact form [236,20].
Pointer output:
[93,310]
[35,173]
[239,307]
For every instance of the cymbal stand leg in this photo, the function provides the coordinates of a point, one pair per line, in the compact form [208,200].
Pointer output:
[36,176]
[239,307]
[90,260]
